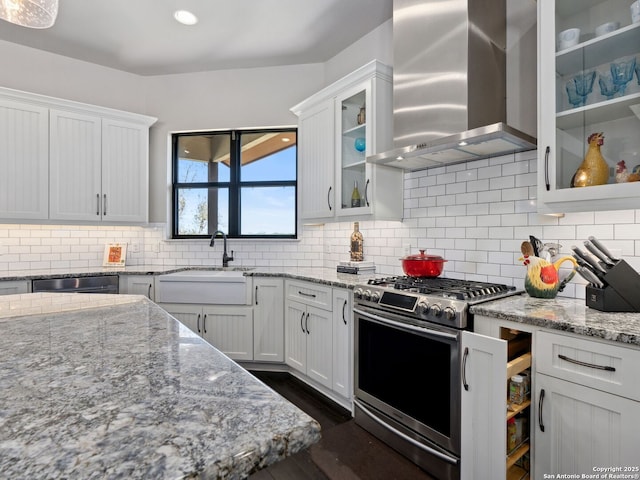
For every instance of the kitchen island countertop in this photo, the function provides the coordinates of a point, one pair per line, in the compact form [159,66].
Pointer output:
[565,314]
[123,390]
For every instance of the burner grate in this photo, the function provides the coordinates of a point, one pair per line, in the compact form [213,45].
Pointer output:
[445,287]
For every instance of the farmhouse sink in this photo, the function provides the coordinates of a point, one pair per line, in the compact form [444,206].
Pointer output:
[219,287]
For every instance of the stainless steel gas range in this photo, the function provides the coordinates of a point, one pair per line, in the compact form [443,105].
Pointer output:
[408,363]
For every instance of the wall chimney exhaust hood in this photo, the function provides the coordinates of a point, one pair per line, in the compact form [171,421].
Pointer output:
[449,84]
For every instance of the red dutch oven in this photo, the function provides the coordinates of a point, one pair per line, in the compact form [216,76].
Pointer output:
[422,265]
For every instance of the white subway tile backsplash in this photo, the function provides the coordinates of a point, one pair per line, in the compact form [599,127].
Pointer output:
[475,215]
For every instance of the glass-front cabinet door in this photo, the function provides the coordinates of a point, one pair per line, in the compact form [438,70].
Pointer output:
[589,106]
[354,143]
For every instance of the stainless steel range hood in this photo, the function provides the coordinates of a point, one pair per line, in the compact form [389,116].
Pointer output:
[449,93]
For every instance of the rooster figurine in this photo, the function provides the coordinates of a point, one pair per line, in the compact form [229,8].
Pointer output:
[623,175]
[542,279]
[593,170]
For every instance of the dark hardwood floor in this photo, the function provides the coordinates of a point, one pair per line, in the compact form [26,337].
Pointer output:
[345,452]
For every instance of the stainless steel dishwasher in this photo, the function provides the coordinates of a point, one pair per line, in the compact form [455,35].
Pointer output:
[95,284]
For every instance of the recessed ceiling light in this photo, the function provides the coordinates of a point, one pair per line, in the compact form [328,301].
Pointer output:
[286,139]
[185,17]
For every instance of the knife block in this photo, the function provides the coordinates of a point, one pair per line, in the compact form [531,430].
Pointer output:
[621,292]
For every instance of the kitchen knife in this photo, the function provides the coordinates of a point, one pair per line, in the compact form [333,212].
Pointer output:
[589,276]
[603,249]
[601,256]
[599,271]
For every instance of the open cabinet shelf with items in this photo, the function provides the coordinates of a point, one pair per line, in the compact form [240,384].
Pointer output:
[588,82]
[518,414]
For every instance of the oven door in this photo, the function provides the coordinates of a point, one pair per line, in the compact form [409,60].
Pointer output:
[411,374]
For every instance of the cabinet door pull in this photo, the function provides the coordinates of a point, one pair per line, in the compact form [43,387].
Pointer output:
[149,292]
[540,404]
[256,294]
[329,198]
[301,324]
[464,368]
[310,295]
[104,206]
[198,323]
[344,305]
[98,204]
[366,193]
[585,364]
[307,324]
[204,323]
[546,167]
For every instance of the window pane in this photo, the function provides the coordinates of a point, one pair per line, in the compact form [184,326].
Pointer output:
[268,211]
[268,156]
[201,211]
[203,158]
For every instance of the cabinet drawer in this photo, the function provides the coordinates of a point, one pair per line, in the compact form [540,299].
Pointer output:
[603,366]
[309,294]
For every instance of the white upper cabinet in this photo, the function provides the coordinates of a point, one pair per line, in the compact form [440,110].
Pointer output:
[77,162]
[24,160]
[338,128]
[587,84]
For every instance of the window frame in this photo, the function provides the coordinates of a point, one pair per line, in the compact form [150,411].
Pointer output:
[234,185]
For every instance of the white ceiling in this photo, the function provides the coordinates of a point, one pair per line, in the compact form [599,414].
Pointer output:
[141,36]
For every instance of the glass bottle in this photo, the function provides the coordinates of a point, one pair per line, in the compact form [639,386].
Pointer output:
[357,244]
[355,196]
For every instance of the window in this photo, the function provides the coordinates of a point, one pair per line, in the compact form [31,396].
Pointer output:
[242,182]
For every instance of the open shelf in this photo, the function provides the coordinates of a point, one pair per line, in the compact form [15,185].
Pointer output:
[519,451]
[517,408]
[516,472]
[519,364]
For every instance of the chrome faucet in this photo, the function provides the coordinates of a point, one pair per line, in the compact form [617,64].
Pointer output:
[225,258]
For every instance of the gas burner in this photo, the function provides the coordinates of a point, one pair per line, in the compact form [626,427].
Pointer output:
[445,287]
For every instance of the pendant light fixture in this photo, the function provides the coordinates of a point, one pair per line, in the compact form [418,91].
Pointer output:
[29,13]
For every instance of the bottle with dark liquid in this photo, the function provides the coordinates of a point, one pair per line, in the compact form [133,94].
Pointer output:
[355,196]
[357,244]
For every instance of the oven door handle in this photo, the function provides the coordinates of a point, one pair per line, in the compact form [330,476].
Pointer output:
[437,453]
[406,326]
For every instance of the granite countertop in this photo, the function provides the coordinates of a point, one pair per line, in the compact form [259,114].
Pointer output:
[565,314]
[326,276]
[123,390]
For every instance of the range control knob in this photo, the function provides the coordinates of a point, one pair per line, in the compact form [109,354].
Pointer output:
[367,295]
[423,308]
[436,310]
[357,293]
[375,296]
[449,313]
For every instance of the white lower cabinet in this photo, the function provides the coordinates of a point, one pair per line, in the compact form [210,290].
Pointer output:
[342,342]
[308,330]
[579,429]
[13,287]
[137,285]
[229,329]
[268,319]
[588,400]
[483,436]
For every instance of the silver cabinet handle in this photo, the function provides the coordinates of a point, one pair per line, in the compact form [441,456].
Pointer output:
[464,368]
[344,305]
[366,193]
[540,404]
[256,294]
[329,198]
[104,205]
[585,364]
[198,323]
[204,323]
[98,204]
